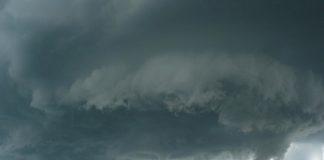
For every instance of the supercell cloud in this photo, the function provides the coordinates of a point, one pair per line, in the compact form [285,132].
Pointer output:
[161,80]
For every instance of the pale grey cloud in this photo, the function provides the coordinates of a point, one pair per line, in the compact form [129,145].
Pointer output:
[241,87]
[248,92]
[304,151]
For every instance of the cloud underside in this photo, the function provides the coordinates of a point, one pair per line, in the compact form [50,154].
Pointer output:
[179,107]
[176,80]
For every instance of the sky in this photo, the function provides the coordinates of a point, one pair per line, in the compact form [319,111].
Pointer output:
[161,80]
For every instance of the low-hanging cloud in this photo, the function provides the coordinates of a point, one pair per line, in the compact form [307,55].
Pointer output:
[176,80]
[246,90]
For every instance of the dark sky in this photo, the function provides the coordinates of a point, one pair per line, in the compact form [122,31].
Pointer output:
[161,79]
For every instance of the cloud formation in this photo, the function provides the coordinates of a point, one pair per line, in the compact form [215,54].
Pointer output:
[141,79]
[242,89]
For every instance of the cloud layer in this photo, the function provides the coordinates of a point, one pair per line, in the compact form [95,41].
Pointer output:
[141,79]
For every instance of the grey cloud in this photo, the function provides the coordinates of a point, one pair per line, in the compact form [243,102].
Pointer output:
[39,40]
[3,3]
[92,134]
[241,88]
[60,38]
[304,151]
[54,44]
[248,92]
[118,79]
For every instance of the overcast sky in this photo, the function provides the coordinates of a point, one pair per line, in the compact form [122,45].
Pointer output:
[161,79]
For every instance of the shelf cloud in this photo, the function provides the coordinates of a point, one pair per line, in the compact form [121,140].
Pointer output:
[161,80]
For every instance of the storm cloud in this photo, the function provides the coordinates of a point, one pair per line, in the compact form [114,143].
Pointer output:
[171,79]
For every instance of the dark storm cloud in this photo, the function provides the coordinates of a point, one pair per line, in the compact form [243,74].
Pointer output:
[248,92]
[3,3]
[102,31]
[129,79]
[97,135]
